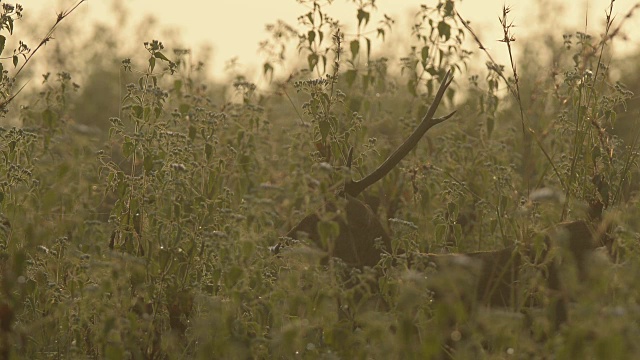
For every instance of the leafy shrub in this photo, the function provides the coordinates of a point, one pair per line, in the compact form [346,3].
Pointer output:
[156,243]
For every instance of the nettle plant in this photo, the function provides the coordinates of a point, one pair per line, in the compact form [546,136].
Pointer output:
[504,188]
[180,183]
[511,149]
[8,15]
[196,187]
[24,148]
[596,168]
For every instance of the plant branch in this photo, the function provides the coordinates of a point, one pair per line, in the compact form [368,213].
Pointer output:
[48,37]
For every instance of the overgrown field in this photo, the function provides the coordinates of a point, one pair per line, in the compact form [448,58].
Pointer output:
[151,231]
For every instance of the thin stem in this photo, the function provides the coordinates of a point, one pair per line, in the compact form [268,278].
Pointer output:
[49,36]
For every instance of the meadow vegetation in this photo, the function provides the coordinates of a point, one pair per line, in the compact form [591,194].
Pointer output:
[138,220]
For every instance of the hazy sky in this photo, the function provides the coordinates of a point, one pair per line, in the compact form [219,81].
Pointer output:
[234,27]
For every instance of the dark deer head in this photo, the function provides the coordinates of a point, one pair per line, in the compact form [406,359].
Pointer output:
[360,227]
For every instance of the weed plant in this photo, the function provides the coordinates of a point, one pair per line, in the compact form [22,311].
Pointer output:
[156,243]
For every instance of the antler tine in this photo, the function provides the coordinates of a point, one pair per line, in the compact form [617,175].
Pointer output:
[354,188]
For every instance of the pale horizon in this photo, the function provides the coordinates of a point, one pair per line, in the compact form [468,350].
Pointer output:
[233,29]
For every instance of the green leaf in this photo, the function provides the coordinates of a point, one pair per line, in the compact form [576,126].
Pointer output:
[368,49]
[493,224]
[152,63]
[325,99]
[502,203]
[363,16]
[159,55]
[127,148]
[448,8]
[490,126]
[267,69]
[148,163]
[324,128]
[312,60]
[366,81]
[311,37]
[350,76]
[208,151]
[424,55]
[603,189]
[2,42]
[138,111]
[441,230]
[444,30]
[15,60]
[411,86]
[355,48]
[457,232]
[452,209]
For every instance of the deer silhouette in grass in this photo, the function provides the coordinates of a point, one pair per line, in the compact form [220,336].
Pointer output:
[361,231]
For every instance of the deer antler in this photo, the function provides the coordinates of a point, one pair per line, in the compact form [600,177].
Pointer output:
[354,188]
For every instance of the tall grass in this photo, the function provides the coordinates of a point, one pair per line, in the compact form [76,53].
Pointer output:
[155,244]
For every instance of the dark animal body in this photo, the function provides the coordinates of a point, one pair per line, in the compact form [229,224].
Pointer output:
[360,228]
[362,239]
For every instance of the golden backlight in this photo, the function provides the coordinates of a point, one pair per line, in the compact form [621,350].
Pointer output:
[233,28]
